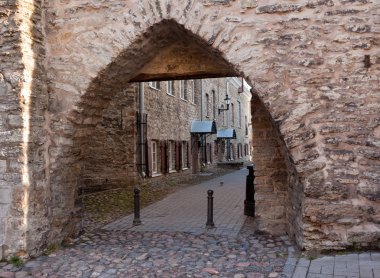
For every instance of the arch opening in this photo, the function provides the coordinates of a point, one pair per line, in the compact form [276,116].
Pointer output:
[145,61]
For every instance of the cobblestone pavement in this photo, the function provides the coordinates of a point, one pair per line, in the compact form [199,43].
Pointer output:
[173,242]
[362,265]
[161,254]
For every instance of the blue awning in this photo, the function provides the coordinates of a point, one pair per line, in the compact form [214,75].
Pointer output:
[228,133]
[202,127]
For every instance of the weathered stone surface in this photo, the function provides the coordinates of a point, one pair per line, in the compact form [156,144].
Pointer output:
[278,8]
[75,57]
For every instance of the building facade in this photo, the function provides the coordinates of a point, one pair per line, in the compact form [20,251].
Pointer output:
[159,142]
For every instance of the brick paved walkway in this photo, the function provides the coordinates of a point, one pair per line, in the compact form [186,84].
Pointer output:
[186,210]
[362,265]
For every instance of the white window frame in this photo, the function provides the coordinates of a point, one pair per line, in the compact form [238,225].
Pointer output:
[223,116]
[239,113]
[232,114]
[213,103]
[154,85]
[154,158]
[192,90]
[207,106]
[170,87]
[182,89]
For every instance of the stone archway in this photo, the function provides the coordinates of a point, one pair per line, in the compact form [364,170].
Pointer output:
[308,73]
[115,77]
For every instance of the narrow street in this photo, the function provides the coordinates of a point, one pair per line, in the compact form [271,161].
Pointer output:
[174,242]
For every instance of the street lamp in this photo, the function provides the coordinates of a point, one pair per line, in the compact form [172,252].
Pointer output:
[228,101]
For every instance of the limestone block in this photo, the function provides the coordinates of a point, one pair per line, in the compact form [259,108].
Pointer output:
[5,195]
[370,190]
[365,233]
[15,120]
[248,4]
[3,211]
[278,8]
[3,166]
[358,28]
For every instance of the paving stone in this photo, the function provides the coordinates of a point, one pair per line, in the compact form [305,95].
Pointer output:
[311,275]
[300,272]
[173,254]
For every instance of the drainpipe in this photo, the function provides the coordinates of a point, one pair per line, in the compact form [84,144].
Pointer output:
[201,99]
[141,115]
[203,138]
[228,125]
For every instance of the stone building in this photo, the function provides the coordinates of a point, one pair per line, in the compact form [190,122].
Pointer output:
[113,156]
[231,121]
[314,71]
[171,108]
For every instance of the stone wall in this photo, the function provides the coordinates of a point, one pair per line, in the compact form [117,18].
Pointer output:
[109,157]
[314,65]
[23,190]
[10,71]
[272,181]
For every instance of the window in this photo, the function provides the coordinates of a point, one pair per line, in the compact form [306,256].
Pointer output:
[154,158]
[232,114]
[192,90]
[183,89]
[246,125]
[223,117]
[154,84]
[213,104]
[239,114]
[232,154]
[209,153]
[171,155]
[170,88]
[207,105]
[240,150]
[184,156]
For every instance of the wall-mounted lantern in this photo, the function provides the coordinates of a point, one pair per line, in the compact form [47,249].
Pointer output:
[227,99]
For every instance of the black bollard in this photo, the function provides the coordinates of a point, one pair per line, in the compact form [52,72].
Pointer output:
[249,203]
[210,209]
[136,220]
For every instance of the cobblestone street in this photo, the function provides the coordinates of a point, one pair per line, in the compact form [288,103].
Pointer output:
[174,243]
[161,254]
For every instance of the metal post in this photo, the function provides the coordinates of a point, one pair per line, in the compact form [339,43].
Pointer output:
[210,209]
[249,203]
[136,220]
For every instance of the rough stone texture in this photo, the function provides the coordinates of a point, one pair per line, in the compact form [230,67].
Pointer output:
[305,61]
[23,102]
[10,70]
[109,157]
[278,194]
